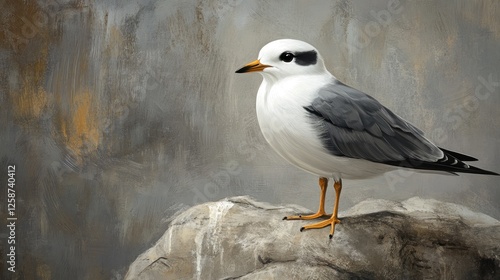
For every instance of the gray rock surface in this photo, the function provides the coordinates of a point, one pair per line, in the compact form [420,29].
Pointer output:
[239,238]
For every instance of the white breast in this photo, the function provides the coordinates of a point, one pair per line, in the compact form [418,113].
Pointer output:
[288,129]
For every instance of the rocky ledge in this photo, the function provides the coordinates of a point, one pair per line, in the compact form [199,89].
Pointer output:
[239,238]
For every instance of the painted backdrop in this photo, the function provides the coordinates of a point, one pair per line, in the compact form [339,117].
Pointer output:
[118,114]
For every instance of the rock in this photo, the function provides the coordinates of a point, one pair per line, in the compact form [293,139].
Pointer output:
[239,238]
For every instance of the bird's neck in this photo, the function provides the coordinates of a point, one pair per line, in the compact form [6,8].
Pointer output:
[294,89]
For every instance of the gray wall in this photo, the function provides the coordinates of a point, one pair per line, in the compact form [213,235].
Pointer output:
[117,115]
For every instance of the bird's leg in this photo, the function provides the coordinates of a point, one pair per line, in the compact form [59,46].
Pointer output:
[333,220]
[323,184]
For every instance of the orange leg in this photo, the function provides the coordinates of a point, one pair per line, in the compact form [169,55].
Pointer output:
[333,220]
[323,184]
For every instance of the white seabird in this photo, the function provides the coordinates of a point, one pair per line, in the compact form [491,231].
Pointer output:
[335,131]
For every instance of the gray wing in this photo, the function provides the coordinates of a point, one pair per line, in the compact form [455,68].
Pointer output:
[353,124]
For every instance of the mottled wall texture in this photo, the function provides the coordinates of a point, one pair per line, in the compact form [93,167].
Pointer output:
[118,114]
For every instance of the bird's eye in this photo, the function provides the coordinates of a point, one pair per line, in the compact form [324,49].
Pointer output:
[287,57]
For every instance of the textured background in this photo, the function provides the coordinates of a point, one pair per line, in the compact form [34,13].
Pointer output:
[118,114]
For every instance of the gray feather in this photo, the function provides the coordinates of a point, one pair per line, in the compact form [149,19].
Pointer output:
[354,124]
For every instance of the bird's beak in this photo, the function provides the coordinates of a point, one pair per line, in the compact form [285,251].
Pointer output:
[254,66]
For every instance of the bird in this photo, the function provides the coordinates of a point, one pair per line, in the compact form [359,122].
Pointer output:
[335,131]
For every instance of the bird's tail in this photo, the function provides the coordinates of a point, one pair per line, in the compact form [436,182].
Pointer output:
[454,162]
[476,170]
[451,162]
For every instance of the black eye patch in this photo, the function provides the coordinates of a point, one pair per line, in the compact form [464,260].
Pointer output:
[306,58]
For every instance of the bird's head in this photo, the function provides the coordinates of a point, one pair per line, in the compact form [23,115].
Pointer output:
[286,57]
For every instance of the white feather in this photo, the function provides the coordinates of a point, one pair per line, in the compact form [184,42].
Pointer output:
[287,128]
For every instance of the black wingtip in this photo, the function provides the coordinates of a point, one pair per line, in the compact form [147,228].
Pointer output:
[475,170]
[459,156]
[449,163]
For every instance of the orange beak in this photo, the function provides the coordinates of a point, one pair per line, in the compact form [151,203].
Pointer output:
[254,66]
